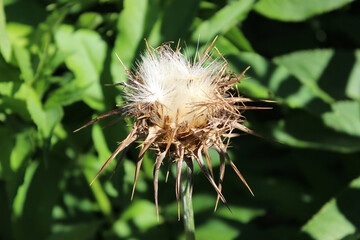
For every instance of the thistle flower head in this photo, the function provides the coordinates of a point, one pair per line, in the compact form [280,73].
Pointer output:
[181,108]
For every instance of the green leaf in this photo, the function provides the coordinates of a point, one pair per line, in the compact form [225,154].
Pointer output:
[241,214]
[13,105]
[12,92]
[67,94]
[345,117]
[301,129]
[223,20]
[46,58]
[8,73]
[46,117]
[236,36]
[39,198]
[337,219]
[131,27]
[90,20]
[5,47]
[322,69]
[308,66]
[24,145]
[77,231]
[16,147]
[23,58]
[98,191]
[142,213]
[177,18]
[216,229]
[86,53]
[19,201]
[170,22]
[297,10]
[18,33]
[265,79]
[353,86]
[100,143]
[14,98]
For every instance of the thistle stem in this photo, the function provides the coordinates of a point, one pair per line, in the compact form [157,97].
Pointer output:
[188,212]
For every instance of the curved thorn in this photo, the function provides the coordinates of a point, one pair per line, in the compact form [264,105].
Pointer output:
[167,172]
[112,112]
[158,162]
[200,161]
[128,72]
[128,140]
[122,155]
[137,170]
[113,122]
[151,137]
[190,165]
[249,131]
[242,99]
[237,171]
[208,49]
[178,179]
[208,159]
[221,177]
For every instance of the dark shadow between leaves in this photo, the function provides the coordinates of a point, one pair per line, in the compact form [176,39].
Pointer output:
[336,74]
[348,204]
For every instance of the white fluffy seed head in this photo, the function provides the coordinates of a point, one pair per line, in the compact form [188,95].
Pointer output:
[181,108]
[167,77]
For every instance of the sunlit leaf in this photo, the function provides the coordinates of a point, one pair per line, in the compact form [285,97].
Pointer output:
[24,145]
[98,191]
[337,219]
[265,79]
[241,214]
[131,27]
[5,47]
[301,129]
[86,54]
[45,118]
[216,229]
[67,94]
[23,58]
[308,67]
[100,143]
[222,20]
[90,20]
[21,196]
[38,199]
[353,85]
[142,213]
[19,34]
[236,36]
[297,10]
[345,117]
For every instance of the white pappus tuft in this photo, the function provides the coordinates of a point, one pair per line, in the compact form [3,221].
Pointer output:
[171,80]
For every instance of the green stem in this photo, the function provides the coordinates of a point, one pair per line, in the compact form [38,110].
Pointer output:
[188,212]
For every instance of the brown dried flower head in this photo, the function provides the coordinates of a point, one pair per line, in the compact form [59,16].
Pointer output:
[181,108]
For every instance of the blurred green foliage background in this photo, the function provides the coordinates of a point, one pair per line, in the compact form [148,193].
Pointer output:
[56,57]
